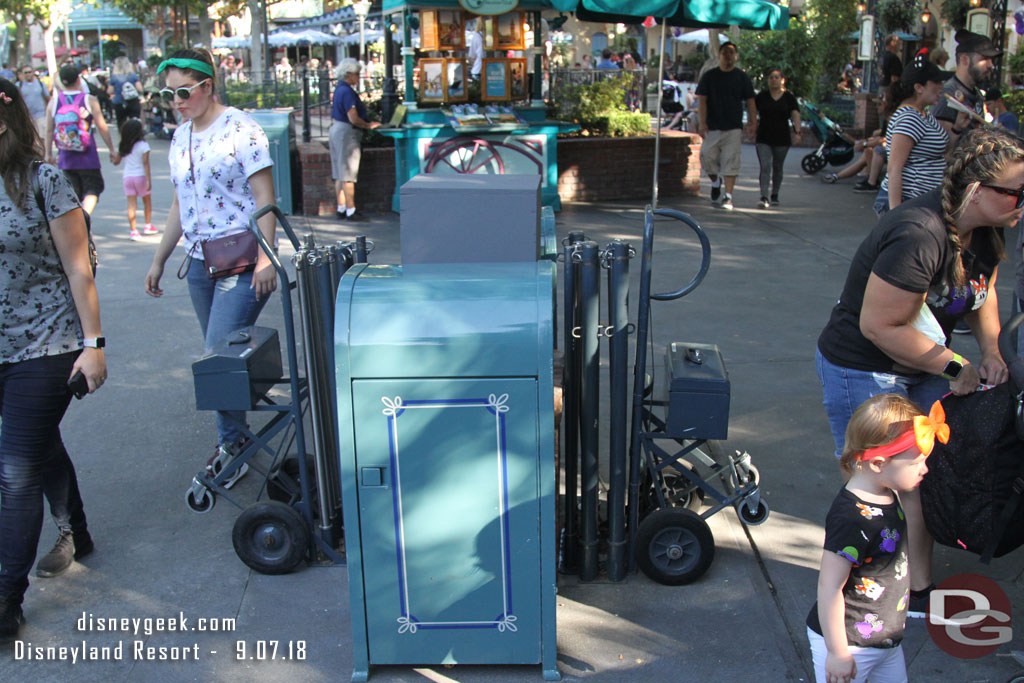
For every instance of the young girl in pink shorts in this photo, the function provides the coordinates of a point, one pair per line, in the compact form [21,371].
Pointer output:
[138,181]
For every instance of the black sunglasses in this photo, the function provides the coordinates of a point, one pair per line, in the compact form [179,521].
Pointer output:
[183,93]
[1019,194]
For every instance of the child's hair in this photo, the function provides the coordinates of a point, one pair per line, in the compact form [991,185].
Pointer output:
[879,420]
[131,132]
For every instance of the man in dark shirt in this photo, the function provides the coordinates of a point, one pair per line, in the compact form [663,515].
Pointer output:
[892,66]
[974,53]
[721,93]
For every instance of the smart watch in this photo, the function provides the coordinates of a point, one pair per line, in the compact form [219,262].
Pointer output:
[95,342]
[954,367]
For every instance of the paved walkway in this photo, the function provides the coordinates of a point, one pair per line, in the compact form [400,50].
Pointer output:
[138,442]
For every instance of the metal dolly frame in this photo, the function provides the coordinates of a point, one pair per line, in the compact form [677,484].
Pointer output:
[274,536]
[672,543]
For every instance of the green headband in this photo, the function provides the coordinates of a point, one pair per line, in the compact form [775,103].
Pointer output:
[183,63]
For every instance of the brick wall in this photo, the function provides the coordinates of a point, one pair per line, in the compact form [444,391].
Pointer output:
[592,169]
[373,191]
[589,169]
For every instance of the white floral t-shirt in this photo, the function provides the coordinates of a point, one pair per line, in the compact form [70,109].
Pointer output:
[214,197]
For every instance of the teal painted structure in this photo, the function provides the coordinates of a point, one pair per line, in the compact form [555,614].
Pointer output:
[446,427]
[426,143]
[276,123]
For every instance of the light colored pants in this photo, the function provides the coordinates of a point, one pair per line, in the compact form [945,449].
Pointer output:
[879,665]
[720,152]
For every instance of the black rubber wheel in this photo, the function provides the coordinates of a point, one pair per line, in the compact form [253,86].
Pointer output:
[812,163]
[758,516]
[680,491]
[674,546]
[203,504]
[271,537]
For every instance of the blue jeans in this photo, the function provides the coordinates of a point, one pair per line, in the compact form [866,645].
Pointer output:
[33,398]
[222,307]
[844,389]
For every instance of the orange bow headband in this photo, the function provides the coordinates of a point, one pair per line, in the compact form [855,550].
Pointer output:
[926,429]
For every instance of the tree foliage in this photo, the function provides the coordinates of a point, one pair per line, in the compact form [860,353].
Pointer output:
[790,50]
[830,22]
[955,12]
[897,15]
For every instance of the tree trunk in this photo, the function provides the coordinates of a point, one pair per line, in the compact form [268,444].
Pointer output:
[20,53]
[205,28]
[256,53]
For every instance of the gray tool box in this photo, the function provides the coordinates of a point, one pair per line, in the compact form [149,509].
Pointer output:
[238,370]
[697,390]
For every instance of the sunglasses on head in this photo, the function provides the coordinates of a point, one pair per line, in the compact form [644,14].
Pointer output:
[183,92]
[1019,194]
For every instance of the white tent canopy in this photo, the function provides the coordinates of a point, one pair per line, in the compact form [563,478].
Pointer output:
[702,36]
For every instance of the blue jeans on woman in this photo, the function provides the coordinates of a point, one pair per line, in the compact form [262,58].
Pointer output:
[845,389]
[222,307]
[33,398]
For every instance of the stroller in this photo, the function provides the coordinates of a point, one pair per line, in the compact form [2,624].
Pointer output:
[673,104]
[836,147]
[972,493]
[161,118]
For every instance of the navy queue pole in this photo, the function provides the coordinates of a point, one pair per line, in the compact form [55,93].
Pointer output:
[570,401]
[360,256]
[590,381]
[617,258]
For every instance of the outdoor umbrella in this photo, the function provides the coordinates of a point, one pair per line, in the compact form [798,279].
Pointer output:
[232,42]
[61,51]
[702,36]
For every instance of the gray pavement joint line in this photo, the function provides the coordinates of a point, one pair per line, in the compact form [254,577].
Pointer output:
[794,235]
[795,638]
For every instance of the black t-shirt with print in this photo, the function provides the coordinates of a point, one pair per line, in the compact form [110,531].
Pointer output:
[873,538]
[908,249]
[726,91]
[773,118]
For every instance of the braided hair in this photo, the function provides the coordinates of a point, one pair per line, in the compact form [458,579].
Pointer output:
[982,155]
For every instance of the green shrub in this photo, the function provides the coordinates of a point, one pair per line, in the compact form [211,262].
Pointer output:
[599,108]
[1014,101]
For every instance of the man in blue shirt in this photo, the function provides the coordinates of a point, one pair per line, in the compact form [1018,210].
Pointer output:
[606,60]
[997,108]
[348,121]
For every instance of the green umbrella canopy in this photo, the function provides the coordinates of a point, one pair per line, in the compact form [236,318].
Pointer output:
[749,14]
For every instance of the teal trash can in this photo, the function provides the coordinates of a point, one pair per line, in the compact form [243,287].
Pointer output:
[446,424]
[276,123]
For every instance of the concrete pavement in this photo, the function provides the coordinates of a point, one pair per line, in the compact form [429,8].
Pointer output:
[774,277]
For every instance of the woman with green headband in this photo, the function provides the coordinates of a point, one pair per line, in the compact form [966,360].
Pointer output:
[221,170]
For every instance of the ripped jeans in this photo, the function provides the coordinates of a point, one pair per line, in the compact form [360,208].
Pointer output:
[844,389]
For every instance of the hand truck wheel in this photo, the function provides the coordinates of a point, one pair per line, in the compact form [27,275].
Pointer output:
[271,537]
[753,517]
[199,498]
[674,546]
[680,491]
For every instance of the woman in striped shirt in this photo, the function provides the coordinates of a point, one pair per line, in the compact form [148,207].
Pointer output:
[917,143]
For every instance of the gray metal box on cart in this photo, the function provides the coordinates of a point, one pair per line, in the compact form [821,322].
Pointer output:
[470,218]
[238,370]
[697,388]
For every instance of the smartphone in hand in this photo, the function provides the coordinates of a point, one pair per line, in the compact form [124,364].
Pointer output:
[77,384]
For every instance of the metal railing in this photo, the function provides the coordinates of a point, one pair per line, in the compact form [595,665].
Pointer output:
[634,95]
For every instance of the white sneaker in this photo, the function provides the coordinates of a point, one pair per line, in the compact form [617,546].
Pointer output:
[764,203]
[727,201]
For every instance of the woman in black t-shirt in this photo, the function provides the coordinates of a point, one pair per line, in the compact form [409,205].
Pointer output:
[929,263]
[776,107]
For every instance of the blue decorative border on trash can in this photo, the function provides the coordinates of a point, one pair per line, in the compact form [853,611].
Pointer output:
[497,406]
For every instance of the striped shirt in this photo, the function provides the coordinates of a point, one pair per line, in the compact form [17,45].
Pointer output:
[927,161]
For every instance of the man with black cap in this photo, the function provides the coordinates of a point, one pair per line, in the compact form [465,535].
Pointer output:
[721,94]
[974,53]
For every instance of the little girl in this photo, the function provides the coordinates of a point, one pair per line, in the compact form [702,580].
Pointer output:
[856,626]
[134,150]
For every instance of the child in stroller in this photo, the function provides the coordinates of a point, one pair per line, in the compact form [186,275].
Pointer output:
[678,101]
[836,147]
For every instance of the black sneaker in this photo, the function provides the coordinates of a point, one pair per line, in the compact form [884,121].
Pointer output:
[775,200]
[764,203]
[962,328]
[716,192]
[865,186]
[11,619]
[918,607]
[341,215]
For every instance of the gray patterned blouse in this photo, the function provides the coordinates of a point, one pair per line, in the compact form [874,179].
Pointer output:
[37,314]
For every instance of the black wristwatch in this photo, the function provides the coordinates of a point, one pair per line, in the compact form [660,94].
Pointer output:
[95,342]
[954,367]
